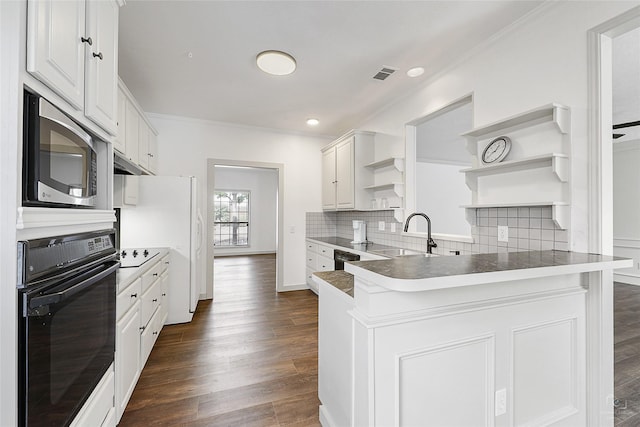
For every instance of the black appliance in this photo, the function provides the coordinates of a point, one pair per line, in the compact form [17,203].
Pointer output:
[339,257]
[59,158]
[66,323]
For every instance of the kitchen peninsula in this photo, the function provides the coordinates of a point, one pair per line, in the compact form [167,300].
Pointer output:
[520,338]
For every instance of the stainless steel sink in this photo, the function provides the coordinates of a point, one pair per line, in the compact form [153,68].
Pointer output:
[398,252]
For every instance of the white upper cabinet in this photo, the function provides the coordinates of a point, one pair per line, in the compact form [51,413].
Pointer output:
[143,144]
[55,53]
[131,131]
[72,47]
[101,66]
[345,179]
[119,143]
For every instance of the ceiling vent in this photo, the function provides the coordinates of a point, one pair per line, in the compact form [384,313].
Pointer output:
[384,73]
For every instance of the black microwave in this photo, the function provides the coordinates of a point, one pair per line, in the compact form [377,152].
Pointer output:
[59,158]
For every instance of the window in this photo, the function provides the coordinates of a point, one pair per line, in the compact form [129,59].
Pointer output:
[231,221]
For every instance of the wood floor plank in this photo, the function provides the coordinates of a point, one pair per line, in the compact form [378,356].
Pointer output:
[249,358]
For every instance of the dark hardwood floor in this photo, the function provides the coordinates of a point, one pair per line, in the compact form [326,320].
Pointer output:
[627,354]
[249,358]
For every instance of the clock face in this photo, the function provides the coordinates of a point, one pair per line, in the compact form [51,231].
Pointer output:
[496,150]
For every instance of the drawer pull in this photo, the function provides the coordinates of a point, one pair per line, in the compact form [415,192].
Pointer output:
[155,332]
[164,295]
[155,274]
[142,328]
[154,300]
[134,295]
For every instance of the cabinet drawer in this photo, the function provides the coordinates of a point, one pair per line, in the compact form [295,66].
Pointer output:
[151,276]
[311,260]
[311,247]
[324,264]
[164,263]
[127,298]
[150,302]
[326,251]
[309,276]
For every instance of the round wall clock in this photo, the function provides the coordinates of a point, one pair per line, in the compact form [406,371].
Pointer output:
[496,150]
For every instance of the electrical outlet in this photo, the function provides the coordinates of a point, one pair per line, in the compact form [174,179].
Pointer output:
[392,227]
[503,233]
[380,225]
[501,402]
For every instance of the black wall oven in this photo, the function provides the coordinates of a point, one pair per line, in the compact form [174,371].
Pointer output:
[59,158]
[66,297]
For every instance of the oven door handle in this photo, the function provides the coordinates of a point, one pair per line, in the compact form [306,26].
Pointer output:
[39,306]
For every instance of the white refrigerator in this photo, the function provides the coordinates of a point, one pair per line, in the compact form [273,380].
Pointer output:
[167,216]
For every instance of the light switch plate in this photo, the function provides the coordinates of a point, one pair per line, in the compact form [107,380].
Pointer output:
[503,233]
[380,225]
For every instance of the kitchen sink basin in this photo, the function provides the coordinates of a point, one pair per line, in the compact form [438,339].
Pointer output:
[398,252]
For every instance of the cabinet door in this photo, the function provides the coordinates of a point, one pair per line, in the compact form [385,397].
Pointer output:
[55,51]
[101,69]
[345,185]
[131,131]
[328,179]
[119,143]
[164,302]
[143,143]
[153,152]
[128,364]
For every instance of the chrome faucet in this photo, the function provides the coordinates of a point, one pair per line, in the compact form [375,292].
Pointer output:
[430,243]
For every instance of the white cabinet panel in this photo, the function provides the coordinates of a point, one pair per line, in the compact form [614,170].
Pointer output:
[131,131]
[119,143]
[143,143]
[128,366]
[329,179]
[101,69]
[345,174]
[55,51]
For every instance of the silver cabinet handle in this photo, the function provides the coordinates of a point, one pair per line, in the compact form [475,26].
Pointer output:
[97,55]
[86,40]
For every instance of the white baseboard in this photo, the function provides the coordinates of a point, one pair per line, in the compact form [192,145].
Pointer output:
[325,418]
[287,288]
[629,279]
[242,253]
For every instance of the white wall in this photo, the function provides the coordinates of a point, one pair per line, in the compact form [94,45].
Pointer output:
[626,208]
[538,61]
[263,187]
[184,145]
[444,190]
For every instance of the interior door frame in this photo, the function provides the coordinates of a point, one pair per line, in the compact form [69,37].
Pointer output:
[279,168]
[600,363]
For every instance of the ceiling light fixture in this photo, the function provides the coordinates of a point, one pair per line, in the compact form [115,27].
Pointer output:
[313,122]
[276,62]
[415,72]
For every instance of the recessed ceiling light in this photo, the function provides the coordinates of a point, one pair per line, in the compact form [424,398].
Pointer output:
[415,72]
[313,122]
[276,62]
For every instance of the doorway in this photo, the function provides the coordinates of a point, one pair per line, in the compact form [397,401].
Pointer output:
[244,213]
[601,222]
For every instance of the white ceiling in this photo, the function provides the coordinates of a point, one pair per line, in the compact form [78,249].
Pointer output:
[197,58]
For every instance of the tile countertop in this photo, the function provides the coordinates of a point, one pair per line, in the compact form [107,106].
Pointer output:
[420,273]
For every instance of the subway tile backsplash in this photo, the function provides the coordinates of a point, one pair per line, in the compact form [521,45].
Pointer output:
[530,228]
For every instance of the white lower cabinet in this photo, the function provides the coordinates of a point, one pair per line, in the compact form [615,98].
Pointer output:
[98,409]
[142,308]
[319,258]
[128,366]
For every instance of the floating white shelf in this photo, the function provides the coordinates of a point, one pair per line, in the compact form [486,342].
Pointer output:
[560,211]
[396,162]
[555,113]
[396,187]
[559,164]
